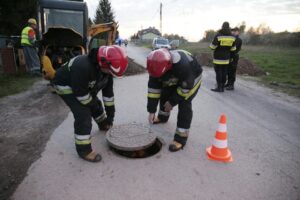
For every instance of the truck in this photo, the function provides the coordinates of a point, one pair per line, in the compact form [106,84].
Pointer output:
[64,32]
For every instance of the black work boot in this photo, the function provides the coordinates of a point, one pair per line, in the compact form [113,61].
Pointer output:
[179,141]
[230,87]
[218,89]
[222,87]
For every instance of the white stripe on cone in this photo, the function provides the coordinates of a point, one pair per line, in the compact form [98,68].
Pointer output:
[222,128]
[220,143]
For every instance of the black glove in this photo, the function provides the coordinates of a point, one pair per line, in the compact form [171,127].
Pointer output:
[105,125]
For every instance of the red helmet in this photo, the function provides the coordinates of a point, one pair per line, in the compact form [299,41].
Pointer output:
[113,58]
[159,62]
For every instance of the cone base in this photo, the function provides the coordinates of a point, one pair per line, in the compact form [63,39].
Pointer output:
[227,158]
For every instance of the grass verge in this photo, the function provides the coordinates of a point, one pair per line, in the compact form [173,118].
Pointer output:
[12,84]
[281,64]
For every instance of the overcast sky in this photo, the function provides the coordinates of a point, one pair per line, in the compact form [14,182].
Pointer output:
[190,18]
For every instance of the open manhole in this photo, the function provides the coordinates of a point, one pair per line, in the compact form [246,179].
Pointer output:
[133,140]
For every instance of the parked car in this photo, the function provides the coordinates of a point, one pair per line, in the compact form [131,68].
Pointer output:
[160,43]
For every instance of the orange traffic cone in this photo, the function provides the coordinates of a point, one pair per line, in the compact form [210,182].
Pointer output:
[219,150]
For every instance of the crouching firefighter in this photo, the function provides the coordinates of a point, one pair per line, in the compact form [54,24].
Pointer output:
[174,79]
[78,82]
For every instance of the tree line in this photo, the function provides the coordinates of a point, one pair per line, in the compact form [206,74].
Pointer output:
[261,35]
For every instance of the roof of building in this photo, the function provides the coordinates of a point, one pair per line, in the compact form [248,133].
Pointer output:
[149,30]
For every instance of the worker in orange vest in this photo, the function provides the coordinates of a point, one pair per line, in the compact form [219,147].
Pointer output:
[28,41]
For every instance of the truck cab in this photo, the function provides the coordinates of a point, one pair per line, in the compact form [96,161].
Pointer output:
[64,33]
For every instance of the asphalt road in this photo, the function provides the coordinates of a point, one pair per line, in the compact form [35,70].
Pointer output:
[264,137]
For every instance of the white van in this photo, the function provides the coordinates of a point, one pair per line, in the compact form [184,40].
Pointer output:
[160,43]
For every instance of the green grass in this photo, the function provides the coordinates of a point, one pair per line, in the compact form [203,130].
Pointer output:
[195,47]
[12,84]
[282,64]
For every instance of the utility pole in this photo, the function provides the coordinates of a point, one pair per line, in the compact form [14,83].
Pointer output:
[161,18]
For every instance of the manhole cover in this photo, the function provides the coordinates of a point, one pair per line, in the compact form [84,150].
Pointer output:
[130,137]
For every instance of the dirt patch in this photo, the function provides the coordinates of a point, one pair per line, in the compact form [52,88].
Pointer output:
[204,59]
[27,121]
[134,68]
[245,66]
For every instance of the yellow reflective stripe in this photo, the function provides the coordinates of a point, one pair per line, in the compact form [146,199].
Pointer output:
[152,90]
[182,134]
[154,95]
[221,62]
[226,38]
[226,41]
[84,102]
[109,103]
[100,118]
[83,142]
[212,46]
[170,84]
[233,48]
[190,93]
[62,92]
[85,99]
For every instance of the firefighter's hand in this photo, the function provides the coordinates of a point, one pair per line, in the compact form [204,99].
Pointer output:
[168,106]
[105,125]
[152,119]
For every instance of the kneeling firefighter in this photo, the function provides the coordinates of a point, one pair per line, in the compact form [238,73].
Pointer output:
[174,79]
[78,82]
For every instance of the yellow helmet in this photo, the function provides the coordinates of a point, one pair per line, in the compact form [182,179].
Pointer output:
[32,21]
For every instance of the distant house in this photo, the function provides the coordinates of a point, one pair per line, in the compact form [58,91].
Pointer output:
[148,34]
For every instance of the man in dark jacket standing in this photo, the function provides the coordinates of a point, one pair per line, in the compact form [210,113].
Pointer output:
[78,82]
[234,60]
[174,79]
[222,44]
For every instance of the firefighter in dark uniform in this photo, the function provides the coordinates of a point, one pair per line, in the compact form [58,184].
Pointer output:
[78,82]
[174,79]
[222,44]
[234,59]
